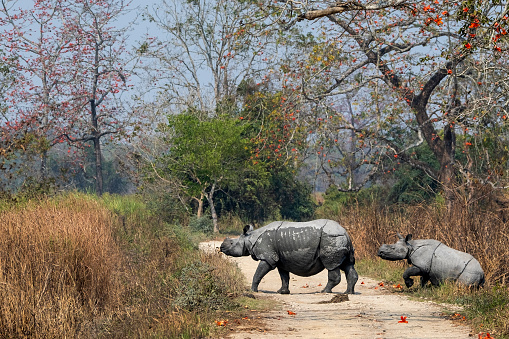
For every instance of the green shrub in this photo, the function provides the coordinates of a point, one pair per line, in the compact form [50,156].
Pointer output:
[199,288]
[203,224]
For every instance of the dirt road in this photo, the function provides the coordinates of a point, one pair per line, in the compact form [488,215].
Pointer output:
[372,312]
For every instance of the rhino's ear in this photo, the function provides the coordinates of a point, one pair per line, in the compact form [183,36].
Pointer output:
[247,229]
[408,237]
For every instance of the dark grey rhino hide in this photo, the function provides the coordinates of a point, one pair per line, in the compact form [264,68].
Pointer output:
[433,261]
[301,248]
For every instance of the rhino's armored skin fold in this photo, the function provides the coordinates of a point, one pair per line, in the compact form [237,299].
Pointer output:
[301,248]
[434,261]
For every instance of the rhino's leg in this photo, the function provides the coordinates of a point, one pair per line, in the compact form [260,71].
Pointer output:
[351,278]
[262,269]
[334,279]
[410,272]
[285,281]
[424,279]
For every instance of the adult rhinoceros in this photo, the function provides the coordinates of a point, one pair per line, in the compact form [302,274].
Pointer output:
[301,248]
[433,261]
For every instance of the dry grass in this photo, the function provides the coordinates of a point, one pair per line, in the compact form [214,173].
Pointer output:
[478,228]
[81,267]
[474,229]
[57,267]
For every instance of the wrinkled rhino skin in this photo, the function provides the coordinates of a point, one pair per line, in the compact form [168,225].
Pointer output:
[434,261]
[301,248]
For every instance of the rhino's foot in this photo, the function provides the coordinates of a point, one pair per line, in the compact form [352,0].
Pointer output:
[349,292]
[409,282]
[327,290]
[283,291]
[254,289]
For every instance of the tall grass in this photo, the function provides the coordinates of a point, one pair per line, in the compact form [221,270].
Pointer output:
[78,266]
[478,228]
[473,229]
[57,267]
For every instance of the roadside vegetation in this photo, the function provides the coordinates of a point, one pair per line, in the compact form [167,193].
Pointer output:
[80,266]
[119,267]
[479,229]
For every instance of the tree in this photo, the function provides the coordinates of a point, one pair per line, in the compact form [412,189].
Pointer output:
[426,58]
[70,64]
[205,155]
[39,44]
[100,68]
[207,54]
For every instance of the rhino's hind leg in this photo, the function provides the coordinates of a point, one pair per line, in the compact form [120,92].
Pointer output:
[334,279]
[351,278]
[262,269]
[285,281]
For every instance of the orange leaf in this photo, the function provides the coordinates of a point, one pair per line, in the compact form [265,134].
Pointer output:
[305,286]
[319,284]
[381,284]
[221,322]
[403,320]
[291,313]
[362,283]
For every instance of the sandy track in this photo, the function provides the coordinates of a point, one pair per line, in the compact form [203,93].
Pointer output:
[372,312]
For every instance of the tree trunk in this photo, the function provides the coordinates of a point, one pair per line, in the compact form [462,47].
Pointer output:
[97,150]
[98,167]
[44,161]
[210,196]
[199,212]
[447,172]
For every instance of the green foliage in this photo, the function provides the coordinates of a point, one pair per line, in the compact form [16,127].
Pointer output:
[281,196]
[413,185]
[487,308]
[292,195]
[199,288]
[203,224]
[205,152]
[336,201]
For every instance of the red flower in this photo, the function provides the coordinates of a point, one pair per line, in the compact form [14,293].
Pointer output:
[291,313]
[403,320]
[468,46]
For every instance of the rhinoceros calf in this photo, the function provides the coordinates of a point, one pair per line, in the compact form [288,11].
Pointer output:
[433,261]
[301,248]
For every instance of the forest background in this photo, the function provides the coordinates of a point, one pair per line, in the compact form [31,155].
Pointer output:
[384,115]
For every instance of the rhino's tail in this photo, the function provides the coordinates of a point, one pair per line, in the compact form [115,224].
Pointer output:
[351,255]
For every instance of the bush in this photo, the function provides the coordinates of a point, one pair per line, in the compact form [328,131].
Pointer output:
[199,289]
[203,224]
